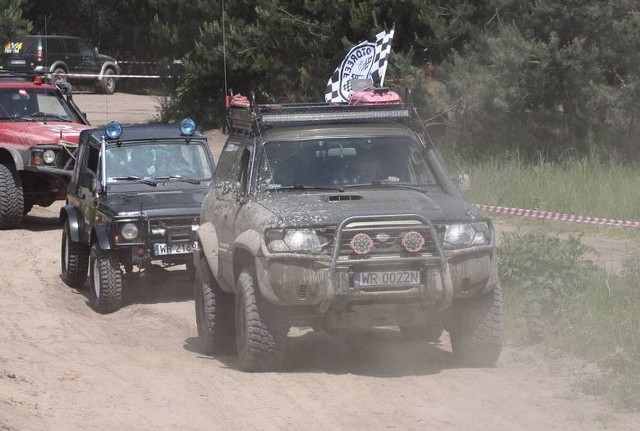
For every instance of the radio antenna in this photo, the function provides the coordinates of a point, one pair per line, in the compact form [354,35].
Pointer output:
[224,50]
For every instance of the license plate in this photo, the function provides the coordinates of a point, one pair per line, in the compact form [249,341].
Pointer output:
[18,62]
[164,249]
[386,278]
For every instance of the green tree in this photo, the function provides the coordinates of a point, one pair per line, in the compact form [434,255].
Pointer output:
[12,23]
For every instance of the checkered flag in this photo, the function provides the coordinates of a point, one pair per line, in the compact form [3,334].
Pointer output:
[367,60]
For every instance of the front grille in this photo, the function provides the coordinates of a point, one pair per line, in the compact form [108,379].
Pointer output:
[387,239]
[173,230]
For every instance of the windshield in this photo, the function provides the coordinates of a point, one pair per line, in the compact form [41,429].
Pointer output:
[157,161]
[37,104]
[343,162]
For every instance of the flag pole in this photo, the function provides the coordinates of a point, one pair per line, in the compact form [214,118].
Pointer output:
[384,71]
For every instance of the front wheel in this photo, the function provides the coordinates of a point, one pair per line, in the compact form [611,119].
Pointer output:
[106,281]
[475,327]
[108,82]
[11,198]
[214,313]
[261,335]
[74,260]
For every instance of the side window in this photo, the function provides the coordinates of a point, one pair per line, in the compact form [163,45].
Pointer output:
[55,46]
[244,170]
[93,159]
[227,162]
[82,47]
[71,46]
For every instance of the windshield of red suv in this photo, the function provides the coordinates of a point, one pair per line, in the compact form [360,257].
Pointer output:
[340,162]
[157,161]
[33,104]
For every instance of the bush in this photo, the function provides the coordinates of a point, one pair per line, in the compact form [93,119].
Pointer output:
[555,296]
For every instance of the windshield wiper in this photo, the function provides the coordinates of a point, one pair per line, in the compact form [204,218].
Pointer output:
[419,187]
[46,116]
[135,178]
[303,187]
[178,177]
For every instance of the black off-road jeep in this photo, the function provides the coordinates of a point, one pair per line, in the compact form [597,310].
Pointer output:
[336,217]
[134,197]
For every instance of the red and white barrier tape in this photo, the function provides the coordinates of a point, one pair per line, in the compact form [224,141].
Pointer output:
[95,75]
[549,215]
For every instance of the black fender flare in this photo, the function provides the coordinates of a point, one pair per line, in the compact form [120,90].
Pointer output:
[69,214]
[15,156]
[248,240]
[59,64]
[100,235]
[208,240]
[108,65]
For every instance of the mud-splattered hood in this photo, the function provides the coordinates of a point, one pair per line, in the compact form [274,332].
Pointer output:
[29,133]
[157,203]
[303,208]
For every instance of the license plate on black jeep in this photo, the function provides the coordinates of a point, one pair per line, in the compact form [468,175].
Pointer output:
[386,278]
[184,248]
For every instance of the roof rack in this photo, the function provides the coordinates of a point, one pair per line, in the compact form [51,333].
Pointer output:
[245,116]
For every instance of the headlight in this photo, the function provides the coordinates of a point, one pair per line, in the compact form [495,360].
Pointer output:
[129,231]
[467,234]
[49,157]
[295,241]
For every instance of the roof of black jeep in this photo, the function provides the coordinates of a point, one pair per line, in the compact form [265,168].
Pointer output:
[140,132]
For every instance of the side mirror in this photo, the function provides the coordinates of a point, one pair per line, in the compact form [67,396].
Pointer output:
[95,50]
[463,182]
[65,88]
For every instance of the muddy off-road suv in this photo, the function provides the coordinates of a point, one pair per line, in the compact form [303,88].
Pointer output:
[134,200]
[339,217]
[39,128]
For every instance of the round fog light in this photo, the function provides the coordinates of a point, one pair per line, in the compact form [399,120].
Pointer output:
[49,157]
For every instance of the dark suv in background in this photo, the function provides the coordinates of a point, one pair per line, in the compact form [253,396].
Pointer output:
[62,57]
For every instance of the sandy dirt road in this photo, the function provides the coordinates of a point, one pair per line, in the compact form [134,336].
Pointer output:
[65,367]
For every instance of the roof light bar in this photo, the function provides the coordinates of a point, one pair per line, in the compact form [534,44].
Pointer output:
[315,117]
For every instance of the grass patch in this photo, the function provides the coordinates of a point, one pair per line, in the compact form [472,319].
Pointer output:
[583,187]
[557,297]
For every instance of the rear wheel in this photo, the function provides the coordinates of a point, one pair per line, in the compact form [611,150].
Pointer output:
[74,260]
[108,82]
[475,327]
[214,313]
[260,334]
[58,75]
[106,280]
[11,198]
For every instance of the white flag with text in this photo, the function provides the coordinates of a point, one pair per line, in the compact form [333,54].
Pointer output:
[367,60]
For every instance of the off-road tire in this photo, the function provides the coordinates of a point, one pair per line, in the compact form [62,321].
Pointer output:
[475,327]
[11,198]
[261,334]
[214,313]
[58,75]
[106,280]
[107,84]
[74,260]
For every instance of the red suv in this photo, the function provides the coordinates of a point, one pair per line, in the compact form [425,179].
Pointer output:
[39,129]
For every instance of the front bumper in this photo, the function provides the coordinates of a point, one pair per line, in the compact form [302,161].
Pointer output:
[322,283]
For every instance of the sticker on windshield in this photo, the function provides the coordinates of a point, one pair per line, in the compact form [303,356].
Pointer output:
[232,147]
